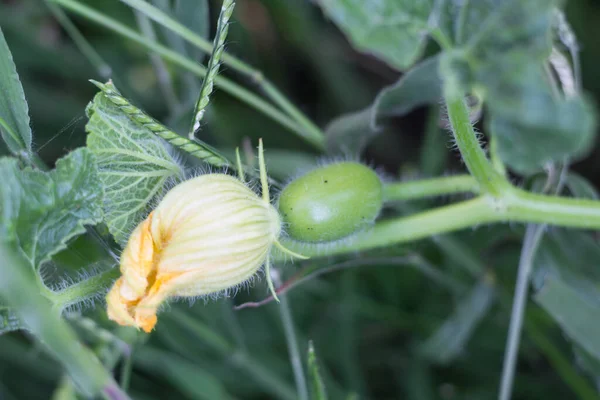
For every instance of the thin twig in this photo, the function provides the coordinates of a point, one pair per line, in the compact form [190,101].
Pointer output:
[285,314]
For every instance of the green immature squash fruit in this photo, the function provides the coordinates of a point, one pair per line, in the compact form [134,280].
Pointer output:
[331,202]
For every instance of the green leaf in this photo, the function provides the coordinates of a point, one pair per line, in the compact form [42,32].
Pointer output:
[350,133]
[572,255]
[20,291]
[419,86]
[195,15]
[317,387]
[8,320]
[14,113]
[503,47]
[133,165]
[567,283]
[449,341]
[393,30]
[41,211]
[576,313]
[549,130]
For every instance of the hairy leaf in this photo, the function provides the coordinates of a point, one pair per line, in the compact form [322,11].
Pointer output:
[133,165]
[393,30]
[41,211]
[449,340]
[502,48]
[14,113]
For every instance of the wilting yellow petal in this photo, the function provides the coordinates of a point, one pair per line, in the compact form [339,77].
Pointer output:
[208,234]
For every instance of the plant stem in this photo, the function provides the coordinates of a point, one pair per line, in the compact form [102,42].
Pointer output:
[514,206]
[466,139]
[429,187]
[165,83]
[404,229]
[292,343]
[533,234]
[18,289]
[552,210]
[102,67]
[87,288]
[228,86]
[234,63]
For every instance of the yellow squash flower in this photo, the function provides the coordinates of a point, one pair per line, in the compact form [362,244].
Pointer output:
[208,234]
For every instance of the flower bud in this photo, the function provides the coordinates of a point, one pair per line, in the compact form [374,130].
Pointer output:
[208,234]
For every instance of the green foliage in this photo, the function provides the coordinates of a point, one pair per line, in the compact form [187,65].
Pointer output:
[317,386]
[19,290]
[419,86]
[192,14]
[14,113]
[567,284]
[133,165]
[391,29]
[437,329]
[502,47]
[451,338]
[575,313]
[42,211]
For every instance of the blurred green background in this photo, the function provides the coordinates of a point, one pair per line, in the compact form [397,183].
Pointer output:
[369,323]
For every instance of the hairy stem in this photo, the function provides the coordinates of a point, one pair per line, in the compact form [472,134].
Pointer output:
[84,290]
[466,139]
[514,206]
[397,191]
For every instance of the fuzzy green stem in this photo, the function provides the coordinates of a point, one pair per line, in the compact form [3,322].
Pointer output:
[234,63]
[466,139]
[86,289]
[213,66]
[226,85]
[495,157]
[397,191]
[514,206]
